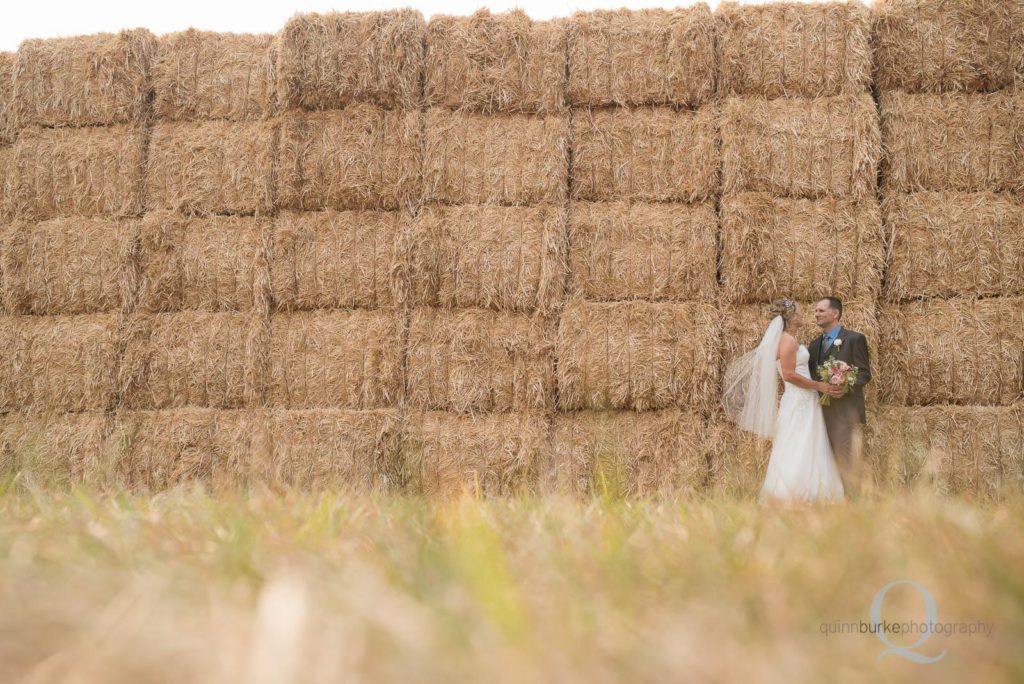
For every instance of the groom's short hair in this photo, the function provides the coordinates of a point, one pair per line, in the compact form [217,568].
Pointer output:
[837,304]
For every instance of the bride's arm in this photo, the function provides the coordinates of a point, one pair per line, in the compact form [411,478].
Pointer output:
[787,358]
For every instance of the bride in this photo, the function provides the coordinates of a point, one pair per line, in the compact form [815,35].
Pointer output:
[801,466]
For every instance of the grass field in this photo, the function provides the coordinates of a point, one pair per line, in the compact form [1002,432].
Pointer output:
[315,587]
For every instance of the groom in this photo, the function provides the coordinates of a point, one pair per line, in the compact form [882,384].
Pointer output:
[844,416]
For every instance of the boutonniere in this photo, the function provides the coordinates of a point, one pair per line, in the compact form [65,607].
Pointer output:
[838,342]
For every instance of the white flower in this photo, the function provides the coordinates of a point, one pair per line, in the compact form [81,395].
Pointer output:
[838,342]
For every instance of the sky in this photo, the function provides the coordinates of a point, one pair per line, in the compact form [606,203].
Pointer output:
[56,18]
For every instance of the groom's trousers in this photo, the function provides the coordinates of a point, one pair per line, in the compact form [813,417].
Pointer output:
[845,433]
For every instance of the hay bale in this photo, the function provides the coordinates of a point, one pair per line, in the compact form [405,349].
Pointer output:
[649,56]
[337,259]
[933,46]
[627,453]
[806,148]
[468,360]
[739,459]
[502,62]
[217,448]
[329,61]
[57,449]
[361,157]
[336,359]
[6,181]
[495,454]
[744,325]
[972,451]
[952,142]
[475,158]
[223,167]
[77,172]
[208,75]
[11,250]
[944,244]
[215,263]
[655,154]
[792,49]
[643,250]
[193,358]
[94,80]
[956,351]
[58,363]
[69,266]
[638,355]
[479,255]
[8,114]
[334,448]
[800,248]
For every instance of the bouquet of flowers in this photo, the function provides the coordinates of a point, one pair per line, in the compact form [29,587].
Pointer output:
[836,372]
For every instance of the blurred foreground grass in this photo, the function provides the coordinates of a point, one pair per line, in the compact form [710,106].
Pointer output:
[316,587]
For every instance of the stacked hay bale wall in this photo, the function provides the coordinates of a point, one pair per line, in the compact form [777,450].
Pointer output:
[485,253]
[952,314]
[637,341]
[347,187]
[75,112]
[384,253]
[799,213]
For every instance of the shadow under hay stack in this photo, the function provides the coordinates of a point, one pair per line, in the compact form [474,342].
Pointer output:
[952,317]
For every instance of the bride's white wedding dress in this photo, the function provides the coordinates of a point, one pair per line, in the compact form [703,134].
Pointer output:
[801,466]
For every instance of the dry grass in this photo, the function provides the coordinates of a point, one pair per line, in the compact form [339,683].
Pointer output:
[67,265]
[338,259]
[643,250]
[361,157]
[498,454]
[330,61]
[652,154]
[975,452]
[968,142]
[640,57]
[510,159]
[337,448]
[215,263]
[638,355]
[77,172]
[58,363]
[209,75]
[8,112]
[467,360]
[957,351]
[792,49]
[480,255]
[100,79]
[336,359]
[193,359]
[807,148]
[933,46]
[800,248]
[502,62]
[629,453]
[212,167]
[944,244]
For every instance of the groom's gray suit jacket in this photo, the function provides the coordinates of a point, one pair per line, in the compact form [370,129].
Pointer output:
[854,351]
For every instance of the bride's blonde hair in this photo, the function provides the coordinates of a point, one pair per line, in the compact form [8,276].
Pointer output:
[785,307]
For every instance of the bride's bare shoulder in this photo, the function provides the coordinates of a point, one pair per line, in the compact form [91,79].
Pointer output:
[787,344]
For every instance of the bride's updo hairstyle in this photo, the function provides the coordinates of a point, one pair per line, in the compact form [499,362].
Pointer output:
[785,308]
